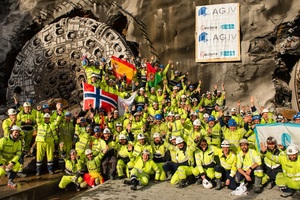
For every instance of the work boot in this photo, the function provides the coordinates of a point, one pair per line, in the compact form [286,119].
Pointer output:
[169,176]
[287,192]
[97,181]
[219,184]
[77,186]
[270,185]
[21,175]
[127,182]
[257,184]
[111,177]
[199,181]
[182,183]
[11,184]
[135,183]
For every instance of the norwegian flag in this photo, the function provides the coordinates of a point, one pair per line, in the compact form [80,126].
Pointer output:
[97,98]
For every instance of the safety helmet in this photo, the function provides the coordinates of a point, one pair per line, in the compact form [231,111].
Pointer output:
[206,115]
[97,129]
[11,111]
[136,114]
[154,103]
[82,120]
[176,72]
[183,96]
[211,118]
[116,111]
[179,140]
[265,111]
[271,140]
[142,89]
[15,128]
[97,63]
[291,150]
[297,116]
[101,110]
[172,138]
[139,108]
[232,122]
[227,114]
[73,152]
[207,184]
[171,114]
[161,66]
[146,151]
[233,109]
[177,115]
[106,131]
[225,143]
[122,137]
[45,106]
[178,85]
[26,104]
[103,60]
[155,135]
[255,117]
[191,86]
[197,122]
[158,117]
[68,114]
[245,141]
[119,124]
[141,136]
[46,115]
[159,90]
[193,114]
[194,99]
[175,88]
[88,151]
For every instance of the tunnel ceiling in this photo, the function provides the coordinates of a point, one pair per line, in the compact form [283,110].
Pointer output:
[49,65]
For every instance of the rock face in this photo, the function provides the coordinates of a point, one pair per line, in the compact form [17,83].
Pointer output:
[269,42]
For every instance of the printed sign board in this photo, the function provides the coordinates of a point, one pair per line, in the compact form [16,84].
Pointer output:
[217,33]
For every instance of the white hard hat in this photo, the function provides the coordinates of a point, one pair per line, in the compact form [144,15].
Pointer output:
[225,143]
[179,140]
[172,138]
[119,124]
[140,136]
[46,115]
[122,137]
[265,111]
[88,151]
[11,111]
[233,109]
[207,184]
[244,141]
[175,88]
[206,115]
[177,115]
[170,114]
[197,122]
[291,150]
[106,130]
[146,151]
[156,135]
[26,104]
[183,96]
[15,128]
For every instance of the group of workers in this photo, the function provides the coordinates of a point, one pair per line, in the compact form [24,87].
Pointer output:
[179,135]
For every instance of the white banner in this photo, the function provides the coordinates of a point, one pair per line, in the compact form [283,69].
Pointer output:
[284,133]
[123,102]
[217,33]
